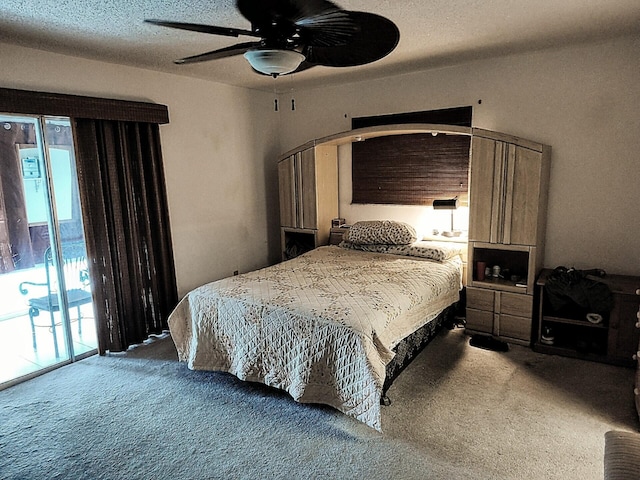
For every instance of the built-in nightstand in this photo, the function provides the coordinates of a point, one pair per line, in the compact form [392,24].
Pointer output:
[336,234]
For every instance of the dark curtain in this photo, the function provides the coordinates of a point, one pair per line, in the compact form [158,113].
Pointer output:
[122,191]
[124,205]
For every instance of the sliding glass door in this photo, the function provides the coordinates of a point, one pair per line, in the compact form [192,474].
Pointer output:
[46,309]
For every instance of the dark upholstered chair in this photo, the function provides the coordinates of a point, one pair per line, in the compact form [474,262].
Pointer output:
[621,455]
[76,280]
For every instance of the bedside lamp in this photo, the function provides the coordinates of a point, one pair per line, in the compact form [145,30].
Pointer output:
[449,204]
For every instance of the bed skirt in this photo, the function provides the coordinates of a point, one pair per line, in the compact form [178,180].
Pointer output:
[412,345]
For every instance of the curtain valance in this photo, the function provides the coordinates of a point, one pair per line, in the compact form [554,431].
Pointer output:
[77,106]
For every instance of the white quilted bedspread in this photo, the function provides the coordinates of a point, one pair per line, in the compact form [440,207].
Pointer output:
[320,326]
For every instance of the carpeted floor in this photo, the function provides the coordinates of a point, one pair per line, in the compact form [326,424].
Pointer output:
[458,412]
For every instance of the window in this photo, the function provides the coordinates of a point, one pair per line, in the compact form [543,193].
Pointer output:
[124,207]
[412,169]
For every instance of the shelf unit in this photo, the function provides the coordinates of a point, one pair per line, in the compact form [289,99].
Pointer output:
[517,264]
[296,241]
[308,189]
[508,206]
[614,341]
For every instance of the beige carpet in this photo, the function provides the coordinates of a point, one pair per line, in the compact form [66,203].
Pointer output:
[458,412]
[518,414]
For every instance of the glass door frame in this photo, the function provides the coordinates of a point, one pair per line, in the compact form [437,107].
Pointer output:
[44,147]
[58,221]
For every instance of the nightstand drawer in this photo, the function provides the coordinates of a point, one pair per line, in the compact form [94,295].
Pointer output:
[336,235]
[515,304]
[480,298]
[515,327]
[335,238]
[479,320]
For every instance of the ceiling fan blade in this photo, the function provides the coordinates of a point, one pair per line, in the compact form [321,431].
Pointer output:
[237,49]
[196,27]
[376,38]
[329,29]
[313,22]
[259,12]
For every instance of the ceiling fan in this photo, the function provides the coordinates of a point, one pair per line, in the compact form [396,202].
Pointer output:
[295,35]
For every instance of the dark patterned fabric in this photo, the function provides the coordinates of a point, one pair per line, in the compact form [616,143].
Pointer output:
[412,345]
[438,251]
[385,232]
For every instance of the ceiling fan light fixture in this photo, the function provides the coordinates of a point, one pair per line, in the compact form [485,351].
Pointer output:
[274,62]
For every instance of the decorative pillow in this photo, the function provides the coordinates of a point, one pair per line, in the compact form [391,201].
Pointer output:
[386,232]
[366,247]
[438,251]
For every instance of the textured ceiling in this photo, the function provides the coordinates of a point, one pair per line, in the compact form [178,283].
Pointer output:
[432,33]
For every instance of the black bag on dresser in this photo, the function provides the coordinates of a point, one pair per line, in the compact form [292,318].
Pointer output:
[579,291]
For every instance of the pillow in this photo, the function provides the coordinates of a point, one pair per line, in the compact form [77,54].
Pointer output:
[438,251]
[386,232]
[366,247]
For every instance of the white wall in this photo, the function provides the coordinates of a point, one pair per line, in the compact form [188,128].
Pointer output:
[222,142]
[584,101]
[217,150]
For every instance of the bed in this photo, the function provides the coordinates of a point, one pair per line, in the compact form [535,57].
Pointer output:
[332,326]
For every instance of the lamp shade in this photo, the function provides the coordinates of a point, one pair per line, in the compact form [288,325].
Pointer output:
[273,61]
[449,204]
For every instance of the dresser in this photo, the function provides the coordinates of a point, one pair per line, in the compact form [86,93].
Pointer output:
[636,390]
[615,340]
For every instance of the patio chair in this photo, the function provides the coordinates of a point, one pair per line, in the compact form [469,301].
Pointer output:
[76,281]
